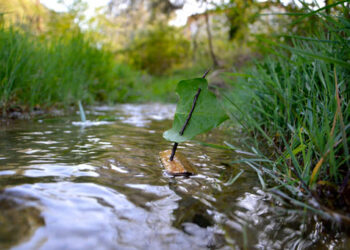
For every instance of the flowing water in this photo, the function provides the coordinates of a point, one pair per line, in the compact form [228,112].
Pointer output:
[100,185]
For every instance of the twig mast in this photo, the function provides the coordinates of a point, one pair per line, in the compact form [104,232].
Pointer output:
[188,118]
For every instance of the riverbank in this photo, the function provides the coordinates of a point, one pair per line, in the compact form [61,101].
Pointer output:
[295,107]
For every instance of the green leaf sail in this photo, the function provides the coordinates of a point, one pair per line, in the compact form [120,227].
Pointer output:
[207,114]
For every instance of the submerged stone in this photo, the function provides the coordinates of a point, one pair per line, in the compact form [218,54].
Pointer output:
[179,166]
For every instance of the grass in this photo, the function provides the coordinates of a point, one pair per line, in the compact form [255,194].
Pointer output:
[162,88]
[45,71]
[42,72]
[295,108]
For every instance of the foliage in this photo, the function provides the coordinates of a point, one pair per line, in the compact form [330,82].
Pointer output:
[207,113]
[58,70]
[160,6]
[162,88]
[25,13]
[296,107]
[158,49]
[240,14]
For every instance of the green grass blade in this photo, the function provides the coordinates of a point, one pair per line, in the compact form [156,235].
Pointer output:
[81,111]
[234,179]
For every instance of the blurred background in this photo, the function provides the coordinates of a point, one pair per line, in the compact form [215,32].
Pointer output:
[55,52]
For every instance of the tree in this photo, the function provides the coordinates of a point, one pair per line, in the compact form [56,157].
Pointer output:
[157,49]
[210,40]
[163,6]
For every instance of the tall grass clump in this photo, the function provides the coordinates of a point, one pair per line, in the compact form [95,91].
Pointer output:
[295,107]
[57,70]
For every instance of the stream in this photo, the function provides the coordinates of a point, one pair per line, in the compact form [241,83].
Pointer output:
[100,185]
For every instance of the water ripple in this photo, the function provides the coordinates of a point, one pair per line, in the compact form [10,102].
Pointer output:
[64,186]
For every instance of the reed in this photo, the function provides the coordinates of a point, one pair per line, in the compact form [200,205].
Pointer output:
[57,70]
[295,108]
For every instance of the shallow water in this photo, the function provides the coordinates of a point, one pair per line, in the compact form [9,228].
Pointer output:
[100,185]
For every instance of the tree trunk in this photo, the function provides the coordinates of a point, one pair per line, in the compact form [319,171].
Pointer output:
[195,46]
[38,18]
[210,43]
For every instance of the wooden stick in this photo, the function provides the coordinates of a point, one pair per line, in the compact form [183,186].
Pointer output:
[190,114]
[188,118]
[173,151]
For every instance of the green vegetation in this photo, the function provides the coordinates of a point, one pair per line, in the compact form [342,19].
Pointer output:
[24,13]
[47,60]
[58,71]
[295,106]
[158,49]
[52,71]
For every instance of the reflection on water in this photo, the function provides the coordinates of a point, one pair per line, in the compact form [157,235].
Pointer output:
[67,185]
[18,219]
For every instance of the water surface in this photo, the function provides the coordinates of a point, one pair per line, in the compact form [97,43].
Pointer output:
[100,185]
